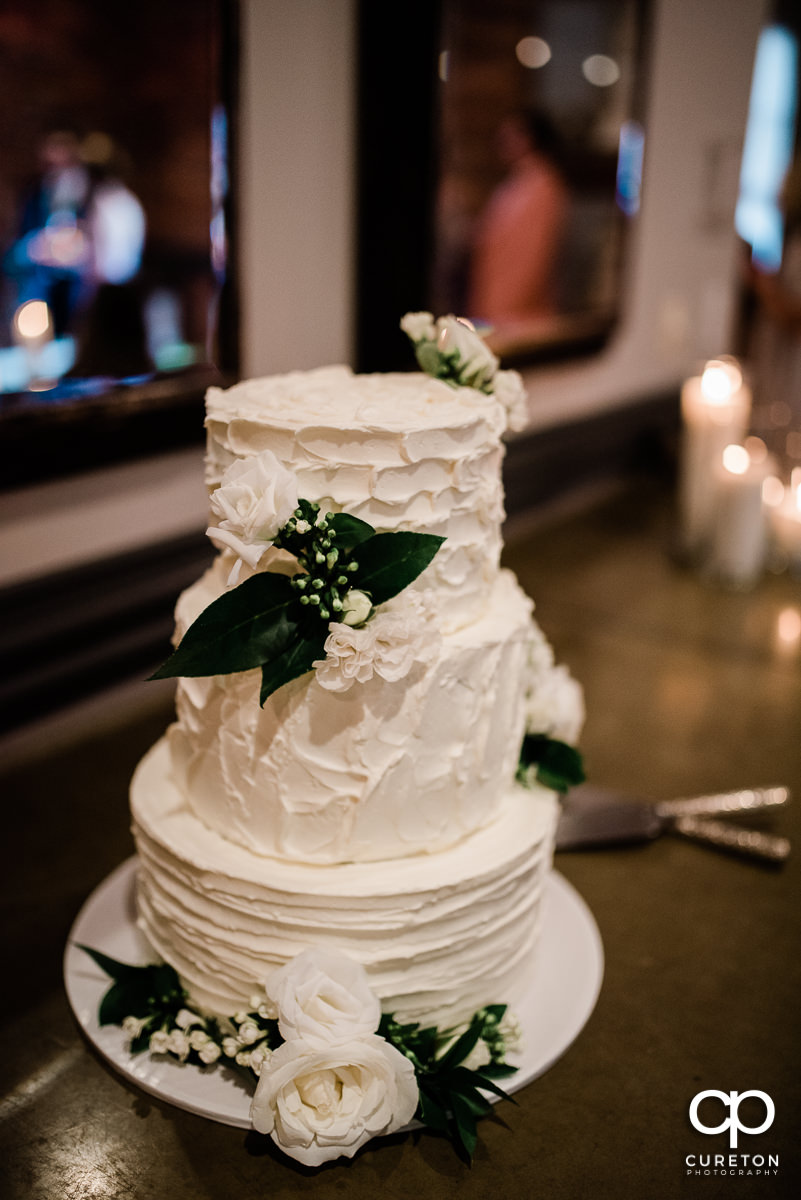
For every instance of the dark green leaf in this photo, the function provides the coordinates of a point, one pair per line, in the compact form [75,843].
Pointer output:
[350,530]
[465,1123]
[389,562]
[114,968]
[559,766]
[465,1080]
[460,1049]
[243,628]
[479,1105]
[498,1070]
[431,1112]
[120,1001]
[295,660]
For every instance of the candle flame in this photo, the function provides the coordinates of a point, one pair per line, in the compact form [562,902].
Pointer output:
[736,459]
[720,380]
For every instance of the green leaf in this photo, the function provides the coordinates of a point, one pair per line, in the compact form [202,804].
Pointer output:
[559,766]
[431,1112]
[241,629]
[117,970]
[465,1123]
[498,1070]
[466,1080]
[389,562]
[350,530]
[460,1049]
[294,661]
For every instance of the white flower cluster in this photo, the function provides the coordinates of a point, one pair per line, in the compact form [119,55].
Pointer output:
[454,338]
[554,699]
[256,497]
[389,645]
[334,1083]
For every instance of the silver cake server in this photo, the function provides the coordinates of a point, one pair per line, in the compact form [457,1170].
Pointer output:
[593,817]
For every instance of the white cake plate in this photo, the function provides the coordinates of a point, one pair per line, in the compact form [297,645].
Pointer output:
[565,980]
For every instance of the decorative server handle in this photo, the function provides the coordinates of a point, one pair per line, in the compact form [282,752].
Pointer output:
[752,842]
[725,803]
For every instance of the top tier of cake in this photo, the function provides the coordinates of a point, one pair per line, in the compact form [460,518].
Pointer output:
[400,451]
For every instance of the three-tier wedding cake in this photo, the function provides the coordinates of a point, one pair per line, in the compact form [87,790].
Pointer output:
[357,675]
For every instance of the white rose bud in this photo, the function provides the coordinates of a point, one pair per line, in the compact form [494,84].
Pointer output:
[258,1057]
[159,1042]
[178,1043]
[476,362]
[186,1018]
[356,607]
[249,1033]
[322,997]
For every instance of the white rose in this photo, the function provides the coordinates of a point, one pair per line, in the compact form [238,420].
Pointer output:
[555,706]
[419,326]
[356,607]
[476,362]
[255,498]
[318,1104]
[508,388]
[322,997]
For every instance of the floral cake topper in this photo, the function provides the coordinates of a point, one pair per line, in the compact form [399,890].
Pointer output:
[450,348]
[325,616]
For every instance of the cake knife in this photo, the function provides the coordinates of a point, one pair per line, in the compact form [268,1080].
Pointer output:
[593,817]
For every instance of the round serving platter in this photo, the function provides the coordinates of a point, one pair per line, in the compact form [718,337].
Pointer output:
[565,980]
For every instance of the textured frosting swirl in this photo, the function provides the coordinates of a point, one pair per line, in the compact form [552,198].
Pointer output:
[225,917]
[381,771]
[400,451]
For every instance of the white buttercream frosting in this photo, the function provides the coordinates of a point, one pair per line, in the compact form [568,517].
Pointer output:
[384,769]
[401,451]
[380,820]
[439,935]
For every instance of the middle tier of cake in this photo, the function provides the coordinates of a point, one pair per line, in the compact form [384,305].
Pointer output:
[440,935]
[377,772]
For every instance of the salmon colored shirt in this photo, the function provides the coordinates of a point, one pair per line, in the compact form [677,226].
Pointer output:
[517,245]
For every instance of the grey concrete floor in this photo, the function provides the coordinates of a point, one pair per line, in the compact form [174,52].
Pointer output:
[689,689]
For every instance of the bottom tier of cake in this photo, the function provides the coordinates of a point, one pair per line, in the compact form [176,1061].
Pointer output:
[440,935]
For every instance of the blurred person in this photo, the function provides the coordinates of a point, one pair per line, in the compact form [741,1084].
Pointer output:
[48,257]
[519,236]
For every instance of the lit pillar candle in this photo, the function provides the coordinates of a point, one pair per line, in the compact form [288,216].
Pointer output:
[785,525]
[737,554]
[715,409]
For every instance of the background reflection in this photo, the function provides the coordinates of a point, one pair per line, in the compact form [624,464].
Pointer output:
[108,202]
